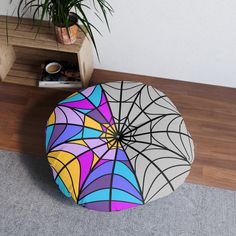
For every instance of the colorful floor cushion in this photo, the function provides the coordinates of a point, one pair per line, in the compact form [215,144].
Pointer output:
[118,145]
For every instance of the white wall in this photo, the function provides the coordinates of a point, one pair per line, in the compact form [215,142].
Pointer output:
[192,40]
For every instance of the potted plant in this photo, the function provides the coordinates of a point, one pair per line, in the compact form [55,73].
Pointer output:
[65,15]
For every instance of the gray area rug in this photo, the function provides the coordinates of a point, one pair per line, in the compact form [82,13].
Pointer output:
[31,204]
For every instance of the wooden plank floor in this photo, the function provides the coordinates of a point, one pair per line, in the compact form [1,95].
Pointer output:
[209,112]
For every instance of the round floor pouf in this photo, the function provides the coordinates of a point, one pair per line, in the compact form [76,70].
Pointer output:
[118,145]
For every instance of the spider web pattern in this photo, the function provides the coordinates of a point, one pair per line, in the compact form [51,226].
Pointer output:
[86,158]
[117,146]
[78,134]
[154,136]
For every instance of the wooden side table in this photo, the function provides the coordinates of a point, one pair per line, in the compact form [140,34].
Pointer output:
[24,51]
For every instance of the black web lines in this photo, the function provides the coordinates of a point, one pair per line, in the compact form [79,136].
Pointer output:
[153,136]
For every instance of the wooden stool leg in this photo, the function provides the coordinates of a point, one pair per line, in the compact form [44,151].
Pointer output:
[7,59]
[85,60]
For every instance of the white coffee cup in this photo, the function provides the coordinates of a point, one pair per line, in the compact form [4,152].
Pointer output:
[53,68]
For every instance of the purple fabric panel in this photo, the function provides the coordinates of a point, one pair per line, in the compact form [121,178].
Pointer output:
[99,171]
[100,183]
[98,206]
[123,184]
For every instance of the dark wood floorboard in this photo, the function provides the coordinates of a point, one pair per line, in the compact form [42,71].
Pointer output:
[209,112]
